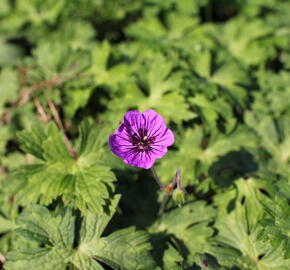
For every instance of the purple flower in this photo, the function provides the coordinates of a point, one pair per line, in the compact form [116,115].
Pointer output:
[141,138]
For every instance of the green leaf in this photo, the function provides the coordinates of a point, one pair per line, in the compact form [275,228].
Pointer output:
[8,87]
[250,45]
[57,233]
[162,93]
[192,153]
[105,73]
[39,12]
[10,54]
[5,136]
[212,109]
[277,226]
[83,182]
[76,33]
[171,257]
[6,225]
[125,249]
[76,99]
[238,238]
[188,225]
[62,66]
[178,31]
[275,139]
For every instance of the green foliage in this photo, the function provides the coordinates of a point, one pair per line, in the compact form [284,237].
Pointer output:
[84,181]
[238,238]
[124,249]
[219,74]
[8,86]
[277,225]
[204,153]
[188,229]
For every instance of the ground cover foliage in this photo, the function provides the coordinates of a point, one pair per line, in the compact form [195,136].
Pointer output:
[217,71]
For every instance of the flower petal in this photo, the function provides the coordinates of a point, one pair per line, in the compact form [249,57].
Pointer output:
[140,159]
[158,151]
[120,145]
[164,139]
[154,123]
[129,142]
[133,121]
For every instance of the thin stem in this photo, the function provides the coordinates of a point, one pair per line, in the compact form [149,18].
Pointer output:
[42,114]
[56,117]
[163,204]
[173,183]
[178,178]
[25,95]
[157,178]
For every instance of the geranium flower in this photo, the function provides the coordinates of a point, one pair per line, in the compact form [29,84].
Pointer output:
[141,138]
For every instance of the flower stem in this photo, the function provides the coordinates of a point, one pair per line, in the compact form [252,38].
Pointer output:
[163,204]
[178,179]
[157,178]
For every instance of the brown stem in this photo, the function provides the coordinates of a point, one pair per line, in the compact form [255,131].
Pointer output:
[42,114]
[167,189]
[178,178]
[25,95]
[57,119]
[157,178]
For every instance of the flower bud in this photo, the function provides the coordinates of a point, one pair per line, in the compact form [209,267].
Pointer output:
[178,196]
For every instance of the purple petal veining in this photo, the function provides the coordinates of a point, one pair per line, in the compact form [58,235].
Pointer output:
[141,138]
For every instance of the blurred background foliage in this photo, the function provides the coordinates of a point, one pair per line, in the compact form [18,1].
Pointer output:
[217,71]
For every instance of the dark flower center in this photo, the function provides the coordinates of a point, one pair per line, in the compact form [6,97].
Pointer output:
[141,140]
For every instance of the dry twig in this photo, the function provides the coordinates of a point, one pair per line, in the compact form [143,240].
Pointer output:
[58,121]
[42,114]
